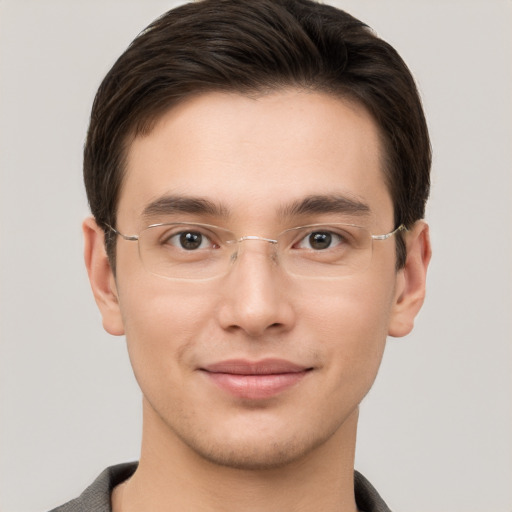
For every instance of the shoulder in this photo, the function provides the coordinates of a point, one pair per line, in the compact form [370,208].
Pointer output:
[97,496]
[367,497]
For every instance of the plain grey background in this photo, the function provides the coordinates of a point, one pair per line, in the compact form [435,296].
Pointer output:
[435,431]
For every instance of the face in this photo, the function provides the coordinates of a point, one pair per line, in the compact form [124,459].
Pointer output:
[256,367]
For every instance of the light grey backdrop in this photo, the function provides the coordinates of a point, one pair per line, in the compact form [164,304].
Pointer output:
[436,430]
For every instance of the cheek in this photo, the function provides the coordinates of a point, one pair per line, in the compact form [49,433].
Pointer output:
[350,325]
[351,310]
[162,325]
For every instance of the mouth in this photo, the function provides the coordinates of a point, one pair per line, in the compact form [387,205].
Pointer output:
[255,380]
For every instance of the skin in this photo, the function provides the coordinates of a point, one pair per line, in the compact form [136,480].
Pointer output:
[294,450]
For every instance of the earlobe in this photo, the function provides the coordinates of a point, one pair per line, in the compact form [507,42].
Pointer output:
[101,277]
[410,290]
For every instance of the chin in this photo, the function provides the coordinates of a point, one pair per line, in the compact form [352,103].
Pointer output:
[258,448]
[252,455]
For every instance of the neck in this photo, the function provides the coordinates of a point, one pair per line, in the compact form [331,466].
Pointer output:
[172,477]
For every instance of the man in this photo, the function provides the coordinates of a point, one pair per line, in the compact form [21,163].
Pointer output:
[257,174]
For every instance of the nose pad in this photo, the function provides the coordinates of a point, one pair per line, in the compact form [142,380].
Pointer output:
[241,247]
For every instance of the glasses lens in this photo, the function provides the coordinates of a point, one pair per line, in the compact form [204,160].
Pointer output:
[201,251]
[333,250]
[185,251]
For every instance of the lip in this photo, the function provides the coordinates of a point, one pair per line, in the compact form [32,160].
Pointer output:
[255,380]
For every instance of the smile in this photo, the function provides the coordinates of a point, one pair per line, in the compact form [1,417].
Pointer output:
[255,380]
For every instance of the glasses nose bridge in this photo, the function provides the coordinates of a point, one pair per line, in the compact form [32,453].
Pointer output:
[252,238]
[255,237]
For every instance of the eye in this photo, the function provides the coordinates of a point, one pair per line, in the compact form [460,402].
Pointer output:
[190,240]
[320,240]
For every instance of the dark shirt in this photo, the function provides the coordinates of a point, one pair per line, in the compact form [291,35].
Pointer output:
[96,498]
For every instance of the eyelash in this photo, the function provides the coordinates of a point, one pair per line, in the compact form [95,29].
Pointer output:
[330,236]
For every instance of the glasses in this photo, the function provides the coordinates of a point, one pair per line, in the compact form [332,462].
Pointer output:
[194,251]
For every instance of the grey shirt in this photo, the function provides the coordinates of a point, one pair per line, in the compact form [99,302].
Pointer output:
[96,498]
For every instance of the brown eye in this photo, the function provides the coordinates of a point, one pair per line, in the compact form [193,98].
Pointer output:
[320,240]
[190,240]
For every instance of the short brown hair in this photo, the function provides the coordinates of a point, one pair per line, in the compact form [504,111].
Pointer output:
[254,46]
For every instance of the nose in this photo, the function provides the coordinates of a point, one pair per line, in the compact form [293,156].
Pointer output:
[256,298]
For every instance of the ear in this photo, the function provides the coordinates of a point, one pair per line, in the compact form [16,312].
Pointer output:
[101,277]
[410,289]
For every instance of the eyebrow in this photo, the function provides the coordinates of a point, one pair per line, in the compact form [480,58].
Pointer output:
[313,204]
[171,204]
[325,204]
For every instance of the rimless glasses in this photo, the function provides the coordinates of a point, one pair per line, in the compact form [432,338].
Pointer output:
[192,251]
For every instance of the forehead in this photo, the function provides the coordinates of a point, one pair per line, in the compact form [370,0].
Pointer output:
[253,156]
